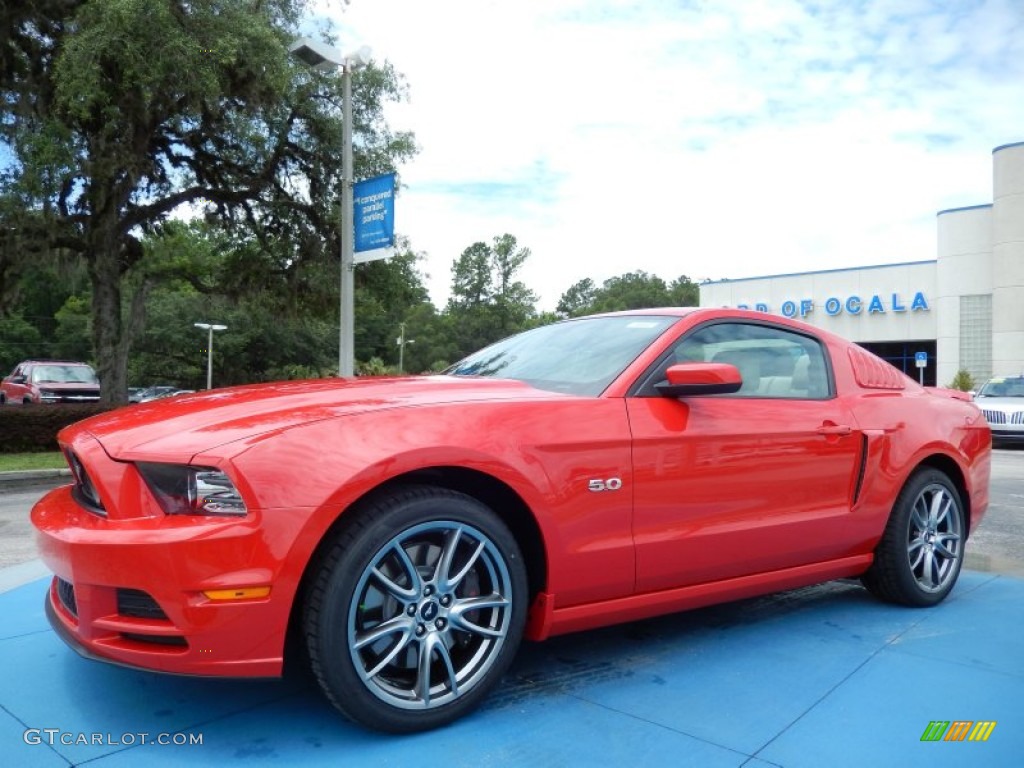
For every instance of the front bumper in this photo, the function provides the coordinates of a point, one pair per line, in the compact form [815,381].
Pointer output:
[57,397]
[1003,435]
[1007,424]
[131,592]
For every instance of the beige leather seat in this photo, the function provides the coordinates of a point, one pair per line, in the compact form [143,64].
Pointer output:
[748,361]
[809,378]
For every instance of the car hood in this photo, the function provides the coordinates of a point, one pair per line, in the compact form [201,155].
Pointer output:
[180,427]
[1000,403]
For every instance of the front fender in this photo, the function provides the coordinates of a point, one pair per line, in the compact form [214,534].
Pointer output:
[545,452]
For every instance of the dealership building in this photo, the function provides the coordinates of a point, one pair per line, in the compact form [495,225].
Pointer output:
[963,310]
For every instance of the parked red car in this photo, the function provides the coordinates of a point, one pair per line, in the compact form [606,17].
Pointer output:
[408,532]
[50,381]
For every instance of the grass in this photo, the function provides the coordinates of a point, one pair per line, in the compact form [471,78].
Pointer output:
[16,462]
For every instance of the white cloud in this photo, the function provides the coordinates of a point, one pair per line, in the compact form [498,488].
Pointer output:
[714,139]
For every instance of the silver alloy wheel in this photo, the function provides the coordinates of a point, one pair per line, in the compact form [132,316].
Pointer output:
[935,541]
[431,613]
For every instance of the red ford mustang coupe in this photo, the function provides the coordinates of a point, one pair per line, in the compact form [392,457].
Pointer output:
[407,533]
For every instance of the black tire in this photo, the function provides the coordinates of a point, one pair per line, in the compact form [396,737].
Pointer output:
[415,610]
[918,560]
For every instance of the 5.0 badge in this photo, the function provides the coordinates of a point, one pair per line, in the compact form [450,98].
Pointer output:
[611,484]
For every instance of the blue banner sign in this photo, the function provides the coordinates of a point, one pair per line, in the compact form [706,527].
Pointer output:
[374,215]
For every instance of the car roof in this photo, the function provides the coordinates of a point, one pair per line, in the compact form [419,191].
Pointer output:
[726,313]
[671,311]
[52,362]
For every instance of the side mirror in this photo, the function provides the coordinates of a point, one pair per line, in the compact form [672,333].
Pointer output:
[17,379]
[700,379]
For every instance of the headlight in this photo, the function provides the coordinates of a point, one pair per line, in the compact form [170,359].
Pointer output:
[187,490]
[84,489]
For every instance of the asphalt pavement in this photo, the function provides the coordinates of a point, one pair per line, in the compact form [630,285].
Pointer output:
[824,675]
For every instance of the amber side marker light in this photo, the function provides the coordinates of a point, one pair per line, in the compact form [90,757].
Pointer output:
[245,593]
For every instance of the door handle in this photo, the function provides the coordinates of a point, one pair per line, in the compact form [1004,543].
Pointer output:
[834,429]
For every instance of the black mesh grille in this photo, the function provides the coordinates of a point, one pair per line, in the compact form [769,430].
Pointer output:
[138,604]
[87,395]
[175,640]
[66,595]
[995,417]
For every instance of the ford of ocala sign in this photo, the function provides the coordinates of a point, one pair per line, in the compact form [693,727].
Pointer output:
[878,304]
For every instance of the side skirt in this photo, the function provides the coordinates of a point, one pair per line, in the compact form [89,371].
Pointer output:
[547,621]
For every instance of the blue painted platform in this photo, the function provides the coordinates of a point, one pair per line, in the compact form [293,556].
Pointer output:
[823,676]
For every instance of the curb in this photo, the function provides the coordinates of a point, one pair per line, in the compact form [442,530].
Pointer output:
[35,477]
[14,576]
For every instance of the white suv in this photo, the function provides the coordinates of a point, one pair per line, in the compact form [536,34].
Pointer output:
[1001,399]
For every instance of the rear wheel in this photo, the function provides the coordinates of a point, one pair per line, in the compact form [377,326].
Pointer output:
[918,560]
[416,610]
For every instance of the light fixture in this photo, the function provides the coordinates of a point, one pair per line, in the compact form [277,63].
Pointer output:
[210,327]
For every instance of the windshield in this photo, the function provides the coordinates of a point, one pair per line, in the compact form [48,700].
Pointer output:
[1003,387]
[579,357]
[63,374]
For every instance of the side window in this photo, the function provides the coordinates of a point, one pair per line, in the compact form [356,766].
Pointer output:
[773,362]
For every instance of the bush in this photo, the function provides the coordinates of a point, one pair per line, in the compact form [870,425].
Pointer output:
[375,367]
[962,381]
[29,428]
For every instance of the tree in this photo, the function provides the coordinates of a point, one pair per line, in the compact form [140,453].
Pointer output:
[19,340]
[632,290]
[543,318]
[282,323]
[514,303]
[487,303]
[39,310]
[683,292]
[472,281]
[71,337]
[387,292]
[433,346]
[578,300]
[119,112]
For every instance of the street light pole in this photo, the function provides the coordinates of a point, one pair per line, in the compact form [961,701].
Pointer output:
[401,347]
[320,56]
[209,349]
[346,334]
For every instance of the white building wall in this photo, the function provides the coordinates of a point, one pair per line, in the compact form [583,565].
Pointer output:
[964,268]
[813,294]
[1008,260]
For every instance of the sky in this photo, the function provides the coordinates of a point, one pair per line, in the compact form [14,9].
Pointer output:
[708,138]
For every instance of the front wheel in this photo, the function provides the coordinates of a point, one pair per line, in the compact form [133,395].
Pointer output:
[416,611]
[918,560]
